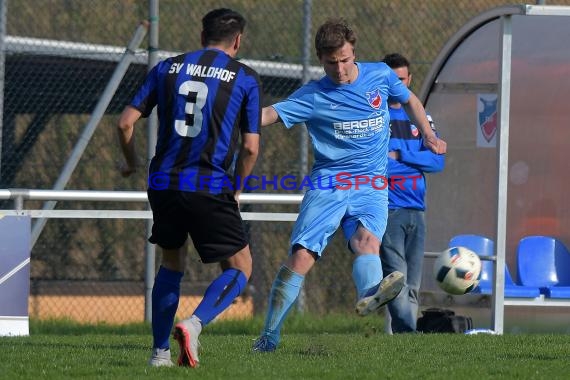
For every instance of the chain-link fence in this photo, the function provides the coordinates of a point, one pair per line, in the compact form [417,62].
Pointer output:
[58,58]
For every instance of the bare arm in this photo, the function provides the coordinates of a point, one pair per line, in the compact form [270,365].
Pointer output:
[246,159]
[417,113]
[127,140]
[269,116]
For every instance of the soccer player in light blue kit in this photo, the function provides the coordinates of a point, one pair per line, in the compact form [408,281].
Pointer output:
[347,118]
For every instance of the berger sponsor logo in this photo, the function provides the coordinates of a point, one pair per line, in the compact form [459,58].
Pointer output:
[358,128]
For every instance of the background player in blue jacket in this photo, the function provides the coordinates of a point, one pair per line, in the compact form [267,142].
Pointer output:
[205,100]
[402,247]
[346,114]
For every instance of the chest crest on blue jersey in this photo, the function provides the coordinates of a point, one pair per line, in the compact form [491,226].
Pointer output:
[414,130]
[374,98]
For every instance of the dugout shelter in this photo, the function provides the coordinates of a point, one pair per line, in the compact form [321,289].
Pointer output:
[499,92]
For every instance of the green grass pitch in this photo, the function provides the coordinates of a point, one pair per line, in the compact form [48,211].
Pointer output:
[334,347]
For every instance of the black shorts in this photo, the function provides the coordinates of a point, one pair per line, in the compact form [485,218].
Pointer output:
[213,222]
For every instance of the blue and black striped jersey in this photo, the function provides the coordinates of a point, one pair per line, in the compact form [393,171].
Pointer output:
[204,100]
[406,175]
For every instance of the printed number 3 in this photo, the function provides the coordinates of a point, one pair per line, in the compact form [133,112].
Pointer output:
[184,127]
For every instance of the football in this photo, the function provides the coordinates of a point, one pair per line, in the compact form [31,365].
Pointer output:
[457,270]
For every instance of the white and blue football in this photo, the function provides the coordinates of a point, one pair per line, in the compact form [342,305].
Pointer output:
[457,270]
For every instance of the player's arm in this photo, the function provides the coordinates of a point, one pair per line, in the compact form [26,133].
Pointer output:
[417,114]
[269,116]
[246,159]
[424,160]
[126,129]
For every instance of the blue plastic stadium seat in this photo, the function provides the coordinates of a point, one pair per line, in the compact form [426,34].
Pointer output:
[517,291]
[484,246]
[544,262]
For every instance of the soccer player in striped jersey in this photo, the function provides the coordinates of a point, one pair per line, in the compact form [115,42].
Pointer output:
[346,114]
[402,246]
[205,101]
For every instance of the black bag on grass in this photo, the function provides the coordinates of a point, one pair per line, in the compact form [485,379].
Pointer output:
[436,320]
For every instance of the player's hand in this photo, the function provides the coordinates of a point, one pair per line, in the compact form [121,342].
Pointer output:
[394,154]
[436,145]
[236,196]
[125,169]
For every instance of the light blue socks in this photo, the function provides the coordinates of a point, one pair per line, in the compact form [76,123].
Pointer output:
[366,274]
[284,292]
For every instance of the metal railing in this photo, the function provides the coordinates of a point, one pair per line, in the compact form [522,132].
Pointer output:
[20,196]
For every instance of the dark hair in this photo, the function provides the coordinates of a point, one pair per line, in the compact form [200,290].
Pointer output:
[396,60]
[221,25]
[332,35]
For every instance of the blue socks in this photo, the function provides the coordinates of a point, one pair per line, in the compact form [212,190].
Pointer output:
[366,274]
[166,294]
[284,292]
[165,297]
[220,294]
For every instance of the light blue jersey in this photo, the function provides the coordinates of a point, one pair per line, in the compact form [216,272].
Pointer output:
[348,123]
[349,129]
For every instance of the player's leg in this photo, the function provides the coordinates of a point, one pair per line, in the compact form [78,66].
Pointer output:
[319,217]
[219,238]
[219,295]
[165,298]
[222,291]
[374,290]
[415,258]
[284,291]
[366,266]
[404,309]
[166,288]
[393,255]
[363,227]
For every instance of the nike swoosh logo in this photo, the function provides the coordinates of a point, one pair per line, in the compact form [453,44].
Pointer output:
[334,106]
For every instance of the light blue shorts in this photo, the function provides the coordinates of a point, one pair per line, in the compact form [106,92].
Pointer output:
[323,211]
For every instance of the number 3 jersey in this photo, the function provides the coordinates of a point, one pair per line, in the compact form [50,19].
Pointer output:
[204,100]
